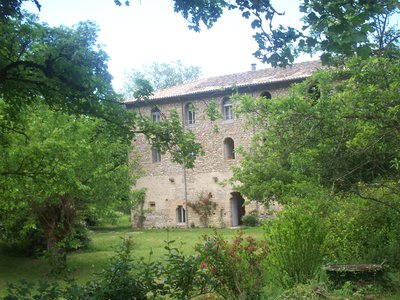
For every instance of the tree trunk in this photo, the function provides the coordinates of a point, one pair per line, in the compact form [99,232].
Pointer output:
[57,218]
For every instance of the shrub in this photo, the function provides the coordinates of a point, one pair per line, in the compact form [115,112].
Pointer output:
[220,270]
[353,238]
[250,220]
[204,207]
[295,240]
[235,269]
[176,277]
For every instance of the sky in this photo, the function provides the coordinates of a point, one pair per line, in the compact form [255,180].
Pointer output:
[150,31]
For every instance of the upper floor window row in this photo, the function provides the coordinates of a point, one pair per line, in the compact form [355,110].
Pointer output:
[190,111]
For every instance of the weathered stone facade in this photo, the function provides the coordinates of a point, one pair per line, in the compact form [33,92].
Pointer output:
[169,186]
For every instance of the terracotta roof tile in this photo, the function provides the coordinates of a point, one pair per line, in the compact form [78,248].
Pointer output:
[269,75]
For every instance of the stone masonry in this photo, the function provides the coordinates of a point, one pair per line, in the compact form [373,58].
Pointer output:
[169,187]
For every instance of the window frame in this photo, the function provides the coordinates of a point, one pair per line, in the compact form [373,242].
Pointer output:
[227,109]
[155,115]
[155,155]
[190,114]
[229,149]
[180,215]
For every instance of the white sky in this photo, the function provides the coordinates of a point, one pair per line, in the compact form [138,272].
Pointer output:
[150,31]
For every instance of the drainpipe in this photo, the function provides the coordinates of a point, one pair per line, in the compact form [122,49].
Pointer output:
[186,198]
[185,194]
[254,132]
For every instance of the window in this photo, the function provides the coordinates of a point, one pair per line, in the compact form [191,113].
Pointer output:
[156,155]
[152,205]
[229,149]
[227,109]
[266,95]
[181,214]
[155,114]
[190,114]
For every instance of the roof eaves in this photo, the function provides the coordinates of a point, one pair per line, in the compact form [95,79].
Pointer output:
[221,89]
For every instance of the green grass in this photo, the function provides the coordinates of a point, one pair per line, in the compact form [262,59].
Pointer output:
[104,241]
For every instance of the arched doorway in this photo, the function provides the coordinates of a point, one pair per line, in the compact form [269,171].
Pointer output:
[237,209]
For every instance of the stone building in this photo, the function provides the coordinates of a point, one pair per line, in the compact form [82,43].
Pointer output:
[170,187]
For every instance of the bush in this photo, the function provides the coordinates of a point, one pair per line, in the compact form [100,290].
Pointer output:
[295,240]
[236,269]
[220,270]
[204,207]
[177,277]
[353,238]
[250,220]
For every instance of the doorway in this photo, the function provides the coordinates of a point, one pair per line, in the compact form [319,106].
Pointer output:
[237,209]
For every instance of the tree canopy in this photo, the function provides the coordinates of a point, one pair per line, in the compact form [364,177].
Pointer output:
[65,134]
[339,130]
[55,169]
[331,29]
[160,76]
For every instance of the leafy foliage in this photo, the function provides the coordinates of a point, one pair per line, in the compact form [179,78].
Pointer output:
[204,207]
[137,205]
[353,238]
[236,269]
[54,170]
[333,29]
[250,220]
[329,152]
[160,76]
[177,276]
[295,240]
[65,135]
[338,28]
[345,139]
[169,135]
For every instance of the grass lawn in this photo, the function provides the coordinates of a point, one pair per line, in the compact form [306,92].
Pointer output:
[104,241]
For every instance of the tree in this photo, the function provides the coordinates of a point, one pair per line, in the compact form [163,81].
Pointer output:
[160,76]
[338,130]
[68,70]
[65,135]
[55,168]
[333,29]
[340,28]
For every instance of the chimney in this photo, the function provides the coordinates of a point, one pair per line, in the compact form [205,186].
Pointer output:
[253,67]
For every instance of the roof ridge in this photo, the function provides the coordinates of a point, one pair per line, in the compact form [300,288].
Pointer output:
[240,79]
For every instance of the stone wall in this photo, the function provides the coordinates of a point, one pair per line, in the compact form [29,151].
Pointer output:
[169,185]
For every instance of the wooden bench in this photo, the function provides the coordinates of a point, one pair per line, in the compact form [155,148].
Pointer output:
[359,273]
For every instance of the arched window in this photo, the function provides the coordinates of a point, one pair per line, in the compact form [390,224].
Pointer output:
[227,109]
[266,95]
[181,214]
[155,115]
[190,114]
[229,149]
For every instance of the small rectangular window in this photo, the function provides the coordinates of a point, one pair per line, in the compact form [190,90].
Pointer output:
[156,155]
[155,115]
[181,214]
[227,109]
[190,114]
[152,205]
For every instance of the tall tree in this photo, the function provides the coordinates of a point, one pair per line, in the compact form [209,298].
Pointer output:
[334,29]
[64,132]
[160,76]
[54,169]
[338,130]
